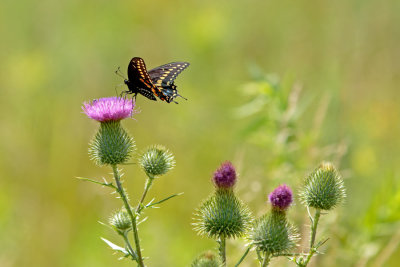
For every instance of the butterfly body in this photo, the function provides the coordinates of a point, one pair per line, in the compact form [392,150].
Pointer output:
[158,82]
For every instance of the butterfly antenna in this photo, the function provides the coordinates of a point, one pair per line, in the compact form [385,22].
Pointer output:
[119,73]
[181,96]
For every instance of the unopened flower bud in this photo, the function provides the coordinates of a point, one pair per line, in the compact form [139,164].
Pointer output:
[156,161]
[121,221]
[323,188]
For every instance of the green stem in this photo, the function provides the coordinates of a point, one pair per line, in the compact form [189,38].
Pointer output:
[267,258]
[244,256]
[128,208]
[222,250]
[314,227]
[149,182]
[128,244]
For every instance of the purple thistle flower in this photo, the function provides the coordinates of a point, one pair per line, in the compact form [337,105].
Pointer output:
[225,175]
[281,197]
[109,109]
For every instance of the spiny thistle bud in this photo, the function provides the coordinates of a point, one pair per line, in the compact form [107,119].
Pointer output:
[323,188]
[225,176]
[207,259]
[121,221]
[156,161]
[273,234]
[222,215]
[281,197]
[111,144]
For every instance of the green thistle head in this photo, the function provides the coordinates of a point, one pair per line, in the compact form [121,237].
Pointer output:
[156,161]
[222,215]
[273,234]
[323,188]
[111,145]
[121,221]
[207,259]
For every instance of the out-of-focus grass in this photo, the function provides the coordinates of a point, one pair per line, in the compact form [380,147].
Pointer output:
[57,54]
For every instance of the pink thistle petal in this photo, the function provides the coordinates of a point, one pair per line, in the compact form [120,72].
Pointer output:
[109,109]
[225,175]
[282,197]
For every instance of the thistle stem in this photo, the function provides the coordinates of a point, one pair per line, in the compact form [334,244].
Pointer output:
[222,250]
[128,208]
[128,244]
[244,256]
[314,227]
[149,182]
[267,258]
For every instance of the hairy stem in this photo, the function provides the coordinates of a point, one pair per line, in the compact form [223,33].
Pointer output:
[128,208]
[149,182]
[222,250]
[128,244]
[313,234]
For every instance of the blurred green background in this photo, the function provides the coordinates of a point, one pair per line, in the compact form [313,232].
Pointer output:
[274,86]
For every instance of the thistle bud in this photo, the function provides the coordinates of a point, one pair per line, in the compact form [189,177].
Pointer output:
[156,161]
[121,221]
[323,188]
[207,259]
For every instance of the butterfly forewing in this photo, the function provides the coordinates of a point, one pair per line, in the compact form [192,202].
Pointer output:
[139,78]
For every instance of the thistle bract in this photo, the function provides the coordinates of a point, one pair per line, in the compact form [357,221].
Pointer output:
[323,188]
[273,234]
[222,215]
[156,161]
[111,144]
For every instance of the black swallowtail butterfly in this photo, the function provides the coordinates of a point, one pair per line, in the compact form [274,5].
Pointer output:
[158,82]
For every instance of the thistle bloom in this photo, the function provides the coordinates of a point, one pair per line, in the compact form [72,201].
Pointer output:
[109,109]
[223,215]
[281,197]
[112,144]
[225,175]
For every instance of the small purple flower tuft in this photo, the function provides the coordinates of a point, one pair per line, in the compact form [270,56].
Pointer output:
[109,109]
[281,197]
[225,175]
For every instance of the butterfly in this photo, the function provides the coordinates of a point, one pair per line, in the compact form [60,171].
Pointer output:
[158,82]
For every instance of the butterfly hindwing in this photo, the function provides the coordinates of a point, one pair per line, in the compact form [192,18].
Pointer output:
[166,74]
[163,77]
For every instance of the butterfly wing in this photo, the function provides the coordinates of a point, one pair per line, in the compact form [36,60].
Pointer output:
[164,76]
[140,80]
